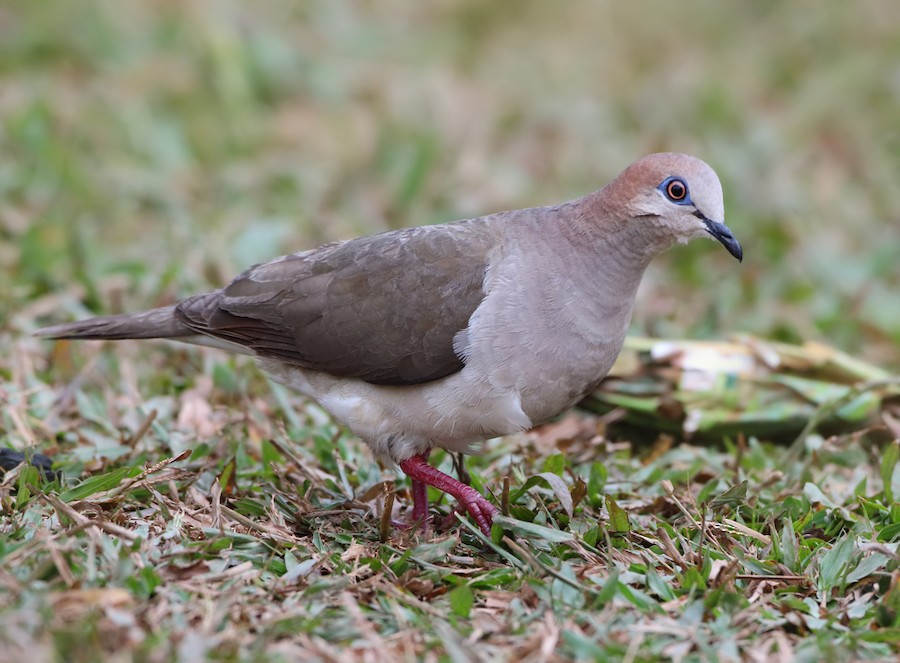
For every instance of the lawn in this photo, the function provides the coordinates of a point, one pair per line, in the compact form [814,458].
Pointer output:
[153,150]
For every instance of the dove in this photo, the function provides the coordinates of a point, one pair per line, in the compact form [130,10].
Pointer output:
[444,336]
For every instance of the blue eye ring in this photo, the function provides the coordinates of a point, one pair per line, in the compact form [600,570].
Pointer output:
[676,190]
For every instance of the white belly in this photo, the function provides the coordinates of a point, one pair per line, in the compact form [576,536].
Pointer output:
[398,422]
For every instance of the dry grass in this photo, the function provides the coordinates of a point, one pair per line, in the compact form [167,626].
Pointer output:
[152,150]
[256,537]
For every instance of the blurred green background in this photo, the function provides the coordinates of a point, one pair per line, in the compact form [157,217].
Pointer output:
[150,150]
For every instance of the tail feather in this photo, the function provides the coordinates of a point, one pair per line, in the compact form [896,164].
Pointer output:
[155,323]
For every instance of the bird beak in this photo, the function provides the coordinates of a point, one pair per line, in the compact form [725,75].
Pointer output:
[721,232]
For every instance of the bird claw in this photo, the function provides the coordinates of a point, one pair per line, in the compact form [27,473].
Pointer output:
[481,511]
[470,500]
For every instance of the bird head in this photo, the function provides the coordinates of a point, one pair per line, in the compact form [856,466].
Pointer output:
[673,198]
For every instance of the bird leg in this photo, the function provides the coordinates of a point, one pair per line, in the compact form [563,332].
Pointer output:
[420,495]
[420,501]
[471,500]
[419,490]
[459,464]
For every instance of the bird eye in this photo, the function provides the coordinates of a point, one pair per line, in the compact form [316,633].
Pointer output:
[676,190]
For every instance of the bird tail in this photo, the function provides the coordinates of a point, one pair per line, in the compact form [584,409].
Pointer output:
[155,323]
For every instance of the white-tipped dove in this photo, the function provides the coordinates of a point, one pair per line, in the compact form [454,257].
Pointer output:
[446,335]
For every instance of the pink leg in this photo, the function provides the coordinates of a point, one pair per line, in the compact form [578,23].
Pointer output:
[420,496]
[469,499]
[420,501]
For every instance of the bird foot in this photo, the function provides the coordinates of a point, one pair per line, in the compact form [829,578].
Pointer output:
[419,517]
[486,512]
[470,500]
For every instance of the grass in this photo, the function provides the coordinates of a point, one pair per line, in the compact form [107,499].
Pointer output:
[257,537]
[151,151]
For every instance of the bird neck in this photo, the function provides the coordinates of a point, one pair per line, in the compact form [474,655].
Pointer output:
[609,225]
[603,263]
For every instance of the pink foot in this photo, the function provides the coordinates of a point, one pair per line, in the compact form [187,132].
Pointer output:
[469,499]
[449,521]
[420,504]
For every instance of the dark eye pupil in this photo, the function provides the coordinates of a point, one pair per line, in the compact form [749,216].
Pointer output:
[676,190]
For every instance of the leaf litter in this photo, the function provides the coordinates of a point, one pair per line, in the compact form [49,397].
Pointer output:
[236,532]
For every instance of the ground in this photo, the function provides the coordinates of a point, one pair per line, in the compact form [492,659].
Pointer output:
[152,151]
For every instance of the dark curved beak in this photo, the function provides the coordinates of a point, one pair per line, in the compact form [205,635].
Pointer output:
[721,232]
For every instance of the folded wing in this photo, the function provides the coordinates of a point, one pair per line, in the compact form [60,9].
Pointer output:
[383,309]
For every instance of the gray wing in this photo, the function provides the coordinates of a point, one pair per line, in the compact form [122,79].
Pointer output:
[383,309]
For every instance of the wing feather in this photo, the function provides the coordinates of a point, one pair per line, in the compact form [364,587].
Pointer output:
[384,308]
